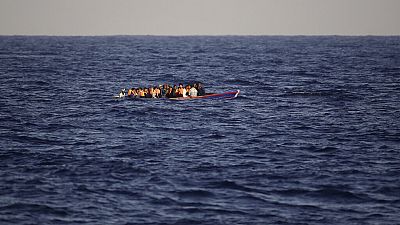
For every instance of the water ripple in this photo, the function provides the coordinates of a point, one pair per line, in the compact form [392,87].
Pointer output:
[313,137]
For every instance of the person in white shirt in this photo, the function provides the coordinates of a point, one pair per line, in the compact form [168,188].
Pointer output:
[122,93]
[184,92]
[193,92]
[181,91]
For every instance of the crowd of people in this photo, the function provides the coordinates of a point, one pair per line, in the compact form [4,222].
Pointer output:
[165,91]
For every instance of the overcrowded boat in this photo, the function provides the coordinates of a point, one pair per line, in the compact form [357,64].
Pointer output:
[175,92]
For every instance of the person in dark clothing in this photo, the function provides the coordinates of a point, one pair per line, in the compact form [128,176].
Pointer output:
[147,93]
[164,89]
[170,93]
[175,91]
[200,89]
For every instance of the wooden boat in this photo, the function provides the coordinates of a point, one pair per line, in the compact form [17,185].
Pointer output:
[225,95]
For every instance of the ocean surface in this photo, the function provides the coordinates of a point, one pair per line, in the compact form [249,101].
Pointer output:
[313,138]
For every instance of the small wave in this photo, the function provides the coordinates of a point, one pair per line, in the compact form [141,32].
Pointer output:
[39,208]
[9,120]
[216,136]
[130,154]
[36,140]
[213,209]
[229,185]
[186,221]
[60,126]
[392,191]
[239,82]
[333,93]
[194,194]
[41,83]
[308,93]
[293,191]
[337,195]
[299,124]
[323,150]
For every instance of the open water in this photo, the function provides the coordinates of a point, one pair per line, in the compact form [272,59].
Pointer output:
[314,137]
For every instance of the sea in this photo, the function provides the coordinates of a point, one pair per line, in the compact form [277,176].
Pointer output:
[312,138]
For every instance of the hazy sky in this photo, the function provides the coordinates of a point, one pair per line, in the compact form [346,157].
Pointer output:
[200,17]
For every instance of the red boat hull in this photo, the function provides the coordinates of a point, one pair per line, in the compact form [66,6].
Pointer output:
[225,95]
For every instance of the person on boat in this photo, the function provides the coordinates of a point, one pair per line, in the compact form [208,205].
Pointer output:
[182,91]
[154,95]
[130,92]
[200,89]
[146,93]
[170,93]
[141,93]
[122,93]
[161,88]
[175,91]
[164,90]
[157,92]
[187,89]
[193,91]
[151,92]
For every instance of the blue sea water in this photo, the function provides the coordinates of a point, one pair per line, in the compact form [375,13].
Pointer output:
[313,138]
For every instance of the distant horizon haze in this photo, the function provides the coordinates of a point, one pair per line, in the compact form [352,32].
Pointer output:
[200,18]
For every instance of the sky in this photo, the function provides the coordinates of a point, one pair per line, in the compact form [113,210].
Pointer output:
[199,17]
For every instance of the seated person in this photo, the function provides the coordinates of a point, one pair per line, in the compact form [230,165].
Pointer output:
[193,92]
[200,89]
